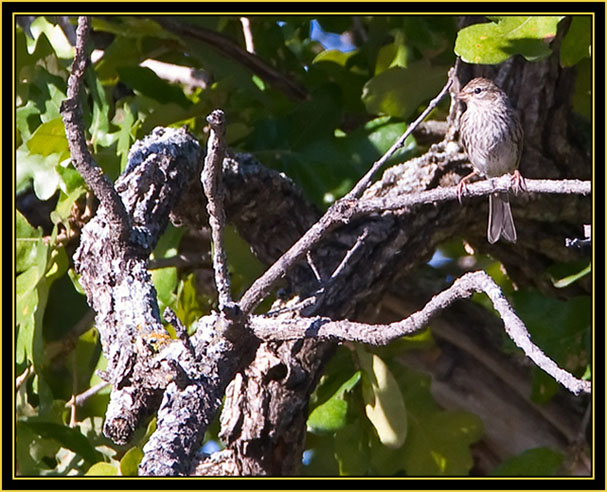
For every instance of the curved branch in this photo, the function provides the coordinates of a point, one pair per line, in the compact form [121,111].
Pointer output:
[273,329]
[74,131]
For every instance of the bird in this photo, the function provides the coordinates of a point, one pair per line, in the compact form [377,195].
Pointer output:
[492,136]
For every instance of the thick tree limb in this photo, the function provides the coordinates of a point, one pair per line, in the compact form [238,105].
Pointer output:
[116,280]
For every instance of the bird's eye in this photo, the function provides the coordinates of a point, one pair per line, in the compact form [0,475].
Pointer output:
[478,90]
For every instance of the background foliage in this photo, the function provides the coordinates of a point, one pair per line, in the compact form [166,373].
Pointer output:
[370,414]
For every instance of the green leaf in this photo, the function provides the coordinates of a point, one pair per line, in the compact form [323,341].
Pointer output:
[334,56]
[25,117]
[55,35]
[440,444]
[46,148]
[45,90]
[30,247]
[25,314]
[495,42]
[328,417]
[165,282]
[560,329]
[320,459]
[399,91]
[57,264]
[582,97]
[40,169]
[32,256]
[351,450]
[190,305]
[316,118]
[331,415]
[438,441]
[537,462]
[338,370]
[384,403]
[64,310]
[337,67]
[366,144]
[244,266]
[100,124]
[72,188]
[125,120]
[396,54]
[102,469]
[130,462]
[569,279]
[68,437]
[577,42]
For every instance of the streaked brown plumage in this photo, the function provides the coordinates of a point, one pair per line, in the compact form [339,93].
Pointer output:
[492,136]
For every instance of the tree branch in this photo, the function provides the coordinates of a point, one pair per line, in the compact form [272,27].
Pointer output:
[479,189]
[343,212]
[74,131]
[211,183]
[272,329]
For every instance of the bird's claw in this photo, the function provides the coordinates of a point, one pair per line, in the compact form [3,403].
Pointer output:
[518,182]
[460,190]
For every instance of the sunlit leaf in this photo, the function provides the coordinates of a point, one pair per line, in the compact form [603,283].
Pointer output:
[130,462]
[49,138]
[55,35]
[384,403]
[496,41]
[102,469]
[332,414]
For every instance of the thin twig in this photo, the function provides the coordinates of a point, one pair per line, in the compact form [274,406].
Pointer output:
[268,328]
[74,131]
[78,400]
[211,184]
[248,35]
[348,256]
[23,377]
[366,179]
[74,386]
[312,265]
